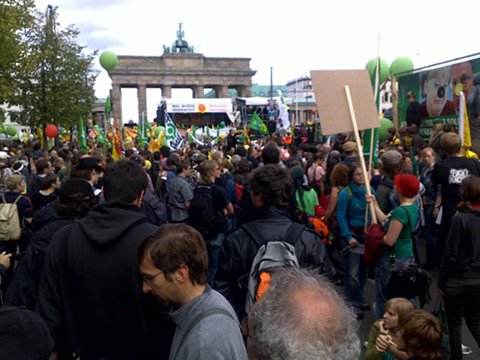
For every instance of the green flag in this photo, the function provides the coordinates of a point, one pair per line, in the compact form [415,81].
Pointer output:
[142,132]
[81,136]
[191,134]
[108,109]
[367,137]
[258,125]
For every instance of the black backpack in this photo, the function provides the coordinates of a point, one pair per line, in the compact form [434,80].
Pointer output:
[201,214]
[154,209]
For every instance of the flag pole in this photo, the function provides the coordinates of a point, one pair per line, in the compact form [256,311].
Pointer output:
[377,103]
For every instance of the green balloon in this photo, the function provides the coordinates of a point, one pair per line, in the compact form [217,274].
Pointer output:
[158,130]
[385,124]
[222,124]
[371,67]
[384,69]
[401,65]
[108,60]
[11,130]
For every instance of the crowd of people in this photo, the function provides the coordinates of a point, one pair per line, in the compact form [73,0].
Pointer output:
[153,256]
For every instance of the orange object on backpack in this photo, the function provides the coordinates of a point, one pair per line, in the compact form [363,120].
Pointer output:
[263,284]
[320,227]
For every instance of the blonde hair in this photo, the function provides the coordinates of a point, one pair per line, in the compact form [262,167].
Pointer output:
[399,305]
[13,181]
[206,169]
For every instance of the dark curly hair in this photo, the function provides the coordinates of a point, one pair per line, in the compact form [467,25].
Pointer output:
[77,207]
[274,184]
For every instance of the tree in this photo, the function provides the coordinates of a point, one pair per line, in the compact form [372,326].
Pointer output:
[59,88]
[16,17]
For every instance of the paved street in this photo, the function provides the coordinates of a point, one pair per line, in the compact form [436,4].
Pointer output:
[369,316]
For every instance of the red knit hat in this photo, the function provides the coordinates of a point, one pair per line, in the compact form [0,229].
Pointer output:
[407,185]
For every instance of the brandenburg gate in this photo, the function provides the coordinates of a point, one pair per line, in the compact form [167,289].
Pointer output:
[178,67]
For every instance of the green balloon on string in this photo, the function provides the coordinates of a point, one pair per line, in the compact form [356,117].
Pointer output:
[108,60]
[385,124]
[12,130]
[401,65]
[384,70]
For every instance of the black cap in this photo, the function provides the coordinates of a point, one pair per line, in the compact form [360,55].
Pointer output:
[23,335]
[72,186]
[89,163]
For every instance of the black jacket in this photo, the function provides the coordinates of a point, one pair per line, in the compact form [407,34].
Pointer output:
[91,285]
[239,249]
[460,267]
[23,290]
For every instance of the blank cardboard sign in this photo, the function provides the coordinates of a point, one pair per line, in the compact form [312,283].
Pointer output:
[329,89]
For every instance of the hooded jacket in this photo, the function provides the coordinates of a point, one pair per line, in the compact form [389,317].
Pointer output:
[91,285]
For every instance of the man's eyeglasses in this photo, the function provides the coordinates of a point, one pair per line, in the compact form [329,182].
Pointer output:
[147,279]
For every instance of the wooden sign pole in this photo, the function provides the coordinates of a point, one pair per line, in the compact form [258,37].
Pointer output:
[360,151]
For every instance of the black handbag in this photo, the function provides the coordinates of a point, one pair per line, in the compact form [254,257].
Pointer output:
[409,282]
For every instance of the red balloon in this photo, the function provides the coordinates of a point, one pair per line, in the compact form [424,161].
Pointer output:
[51,131]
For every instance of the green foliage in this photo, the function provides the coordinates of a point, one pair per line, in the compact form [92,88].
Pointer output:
[15,17]
[57,86]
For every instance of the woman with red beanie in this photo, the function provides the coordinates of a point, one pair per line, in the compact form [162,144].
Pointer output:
[399,224]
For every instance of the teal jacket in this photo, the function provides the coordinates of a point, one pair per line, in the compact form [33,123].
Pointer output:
[351,209]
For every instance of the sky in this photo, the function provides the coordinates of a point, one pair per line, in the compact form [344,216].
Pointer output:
[291,37]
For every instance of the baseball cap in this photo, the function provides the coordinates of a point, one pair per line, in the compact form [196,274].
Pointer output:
[72,186]
[89,163]
[391,157]
[4,155]
[349,146]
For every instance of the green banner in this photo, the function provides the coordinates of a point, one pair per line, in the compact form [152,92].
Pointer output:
[435,100]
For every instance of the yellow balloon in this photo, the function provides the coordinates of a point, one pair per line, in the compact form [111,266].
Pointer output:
[458,88]
[148,164]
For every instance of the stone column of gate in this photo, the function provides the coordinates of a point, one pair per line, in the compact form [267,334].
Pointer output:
[142,100]
[116,100]
[166,91]
[221,91]
[242,91]
[198,91]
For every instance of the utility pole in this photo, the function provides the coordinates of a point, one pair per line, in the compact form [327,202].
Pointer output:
[271,83]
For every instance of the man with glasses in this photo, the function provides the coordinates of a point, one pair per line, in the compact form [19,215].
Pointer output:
[174,265]
[90,292]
